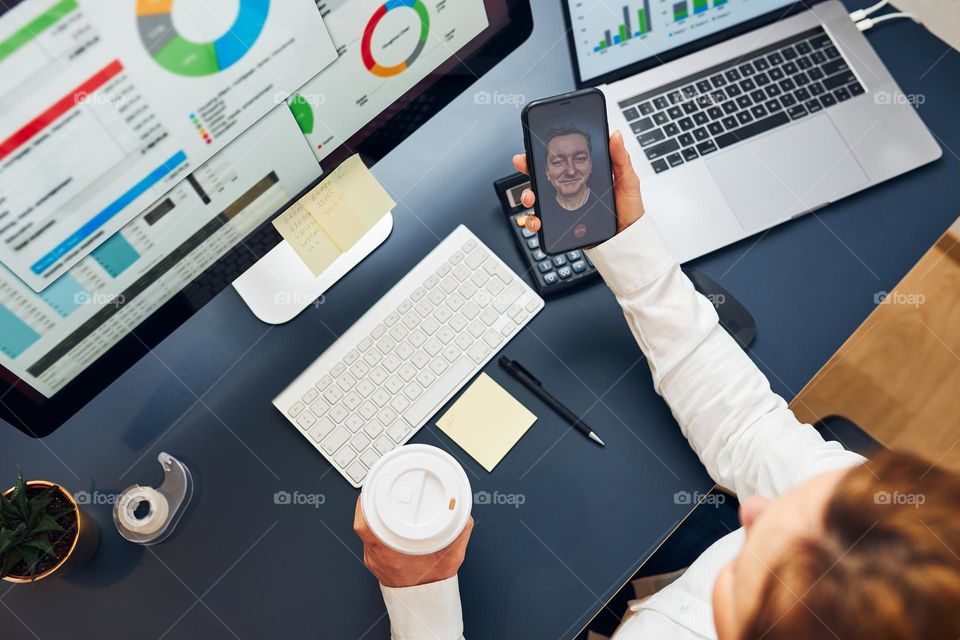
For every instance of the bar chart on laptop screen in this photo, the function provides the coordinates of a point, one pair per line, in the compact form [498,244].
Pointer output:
[613,34]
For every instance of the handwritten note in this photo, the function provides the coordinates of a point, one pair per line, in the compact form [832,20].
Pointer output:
[334,215]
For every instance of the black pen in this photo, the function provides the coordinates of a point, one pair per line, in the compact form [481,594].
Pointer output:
[526,378]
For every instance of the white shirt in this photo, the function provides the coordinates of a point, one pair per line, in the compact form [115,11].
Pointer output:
[744,434]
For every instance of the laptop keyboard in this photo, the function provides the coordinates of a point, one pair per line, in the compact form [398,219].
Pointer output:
[739,99]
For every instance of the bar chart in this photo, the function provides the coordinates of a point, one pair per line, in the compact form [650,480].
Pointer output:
[681,10]
[636,23]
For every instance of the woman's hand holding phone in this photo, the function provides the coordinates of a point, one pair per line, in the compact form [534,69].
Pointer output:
[626,186]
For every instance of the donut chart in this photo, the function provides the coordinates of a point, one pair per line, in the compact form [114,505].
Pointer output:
[366,54]
[185,57]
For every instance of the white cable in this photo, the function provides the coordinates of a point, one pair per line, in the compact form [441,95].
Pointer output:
[868,23]
[860,14]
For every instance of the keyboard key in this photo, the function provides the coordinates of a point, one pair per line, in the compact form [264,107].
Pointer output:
[772,105]
[661,118]
[344,456]
[566,272]
[831,52]
[642,125]
[755,128]
[631,114]
[715,128]
[701,134]
[744,117]
[797,112]
[731,122]
[651,137]
[673,160]
[788,53]
[819,41]
[336,439]
[689,107]
[675,112]
[579,266]
[700,118]
[688,154]
[357,471]
[321,429]
[746,69]
[645,108]
[813,106]
[306,420]
[671,129]
[658,166]
[660,102]
[855,89]
[704,86]
[757,111]
[761,64]
[775,58]
[827,100]
[715,113]
[839,80]
[685,139]
[662,149]
[842,94]
[296,409]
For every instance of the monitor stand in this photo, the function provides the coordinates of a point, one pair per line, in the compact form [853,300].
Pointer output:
[279,286]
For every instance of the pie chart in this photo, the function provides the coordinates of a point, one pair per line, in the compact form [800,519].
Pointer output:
[184,57]
[369,61]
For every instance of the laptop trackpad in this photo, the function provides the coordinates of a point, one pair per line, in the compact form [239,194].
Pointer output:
[777,176]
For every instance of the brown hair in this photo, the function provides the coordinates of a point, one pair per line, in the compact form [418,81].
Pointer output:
[885,567]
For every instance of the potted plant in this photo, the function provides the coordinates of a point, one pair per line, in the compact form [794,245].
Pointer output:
[42,532]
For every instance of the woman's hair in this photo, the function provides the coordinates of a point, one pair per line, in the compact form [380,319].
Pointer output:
[886,565]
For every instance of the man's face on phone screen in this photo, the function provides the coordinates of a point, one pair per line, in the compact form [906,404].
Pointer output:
[569,164]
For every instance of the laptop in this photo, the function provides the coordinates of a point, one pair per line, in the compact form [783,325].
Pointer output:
[740,115]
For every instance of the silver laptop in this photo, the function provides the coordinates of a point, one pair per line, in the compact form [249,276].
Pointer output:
[739,114]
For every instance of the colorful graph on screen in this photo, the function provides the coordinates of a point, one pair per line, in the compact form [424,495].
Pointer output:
[184,57]
[366,53]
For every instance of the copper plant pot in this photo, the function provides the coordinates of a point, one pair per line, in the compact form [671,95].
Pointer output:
[84,543]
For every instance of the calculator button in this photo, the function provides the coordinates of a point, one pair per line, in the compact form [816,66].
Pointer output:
[559,261]
[533,243]
[539,255]
[527,233]
[545,266]
[573,255]
[551,277]
[579,266]
[565,272]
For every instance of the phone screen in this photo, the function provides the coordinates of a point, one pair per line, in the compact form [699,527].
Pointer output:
[570,164]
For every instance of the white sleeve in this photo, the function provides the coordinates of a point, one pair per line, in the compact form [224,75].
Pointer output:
[746,437]
[425,612]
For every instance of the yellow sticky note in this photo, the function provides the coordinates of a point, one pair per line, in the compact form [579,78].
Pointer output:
[348,202]
[486,421]
[307,238]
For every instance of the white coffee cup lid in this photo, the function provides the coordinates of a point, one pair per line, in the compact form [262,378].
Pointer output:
[416,499]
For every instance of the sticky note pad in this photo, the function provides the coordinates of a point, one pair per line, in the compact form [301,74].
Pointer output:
[486,421]
[307,238]
[348,202]
[334,215]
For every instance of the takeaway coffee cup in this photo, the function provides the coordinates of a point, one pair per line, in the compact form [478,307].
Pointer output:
[416,499]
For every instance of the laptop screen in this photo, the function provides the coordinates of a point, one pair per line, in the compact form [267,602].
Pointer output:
[613,34]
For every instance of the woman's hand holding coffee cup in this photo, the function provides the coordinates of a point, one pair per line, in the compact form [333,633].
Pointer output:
[395,569]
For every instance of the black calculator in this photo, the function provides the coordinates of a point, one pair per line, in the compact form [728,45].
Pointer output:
[550,273]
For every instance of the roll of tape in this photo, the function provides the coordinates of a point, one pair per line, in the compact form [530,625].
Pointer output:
[155,518]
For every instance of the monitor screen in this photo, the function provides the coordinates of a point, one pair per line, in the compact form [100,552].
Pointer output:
[142,150]
[612,34]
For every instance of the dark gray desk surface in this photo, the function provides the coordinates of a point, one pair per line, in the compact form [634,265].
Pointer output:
[241,566]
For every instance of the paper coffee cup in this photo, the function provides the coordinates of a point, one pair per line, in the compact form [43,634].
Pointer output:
[416,499]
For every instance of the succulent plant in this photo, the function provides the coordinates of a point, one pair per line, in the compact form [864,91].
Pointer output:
[26,523]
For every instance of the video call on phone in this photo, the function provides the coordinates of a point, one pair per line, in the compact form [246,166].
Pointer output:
[570,163]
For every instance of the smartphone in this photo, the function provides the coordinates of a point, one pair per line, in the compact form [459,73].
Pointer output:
[568,157]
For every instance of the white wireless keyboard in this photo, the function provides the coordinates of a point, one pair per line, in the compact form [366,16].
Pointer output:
[408,355]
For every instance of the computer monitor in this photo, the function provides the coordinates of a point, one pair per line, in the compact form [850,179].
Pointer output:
[64,339]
